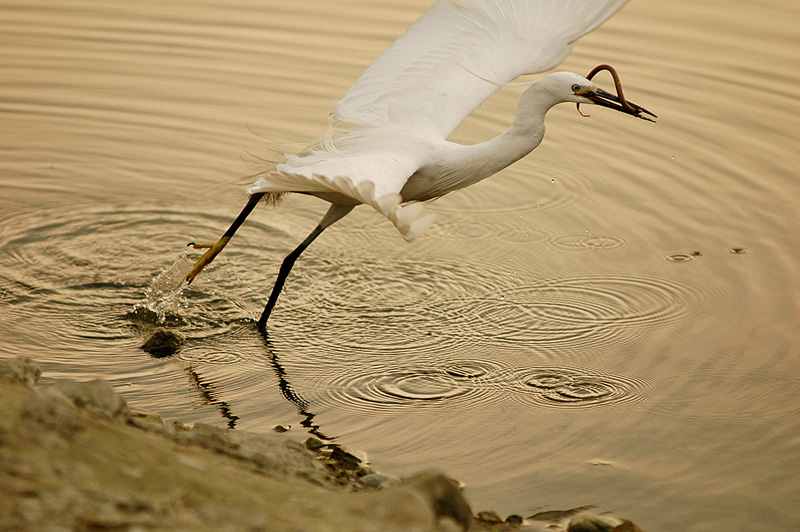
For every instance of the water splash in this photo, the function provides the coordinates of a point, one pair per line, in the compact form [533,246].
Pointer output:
[163,296]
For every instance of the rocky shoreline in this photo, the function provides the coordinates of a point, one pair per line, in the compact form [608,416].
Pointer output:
[75,457]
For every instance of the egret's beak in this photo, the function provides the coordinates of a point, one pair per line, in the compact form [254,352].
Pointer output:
[612,101]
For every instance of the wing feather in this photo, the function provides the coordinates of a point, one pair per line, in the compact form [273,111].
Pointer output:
[430,78]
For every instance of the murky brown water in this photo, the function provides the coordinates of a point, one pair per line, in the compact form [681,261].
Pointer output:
[611,321]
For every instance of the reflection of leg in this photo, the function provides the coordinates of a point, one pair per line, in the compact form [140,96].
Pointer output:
[289,393]
[335,212]
[209,392]
[215,247]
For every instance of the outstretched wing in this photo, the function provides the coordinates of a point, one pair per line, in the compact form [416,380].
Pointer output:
[430,78]
[428,81]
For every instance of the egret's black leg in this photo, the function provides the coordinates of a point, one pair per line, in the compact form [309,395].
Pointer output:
[215,247]
[335,213]
[286,267]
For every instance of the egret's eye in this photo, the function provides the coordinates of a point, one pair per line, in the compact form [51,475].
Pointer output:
[576,88]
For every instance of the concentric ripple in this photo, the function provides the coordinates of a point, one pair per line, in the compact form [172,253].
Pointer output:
[584,243]
[478,382]
[571,387]
[396,388]
[383,305]
[566,312]
[95,272]
[683,257]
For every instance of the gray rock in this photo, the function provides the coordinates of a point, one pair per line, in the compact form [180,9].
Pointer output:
[314,444]
[377,480]
[53,414]
[64,468]
[96,397]
[599,523]
[22,370]
[444,495]
[587,524]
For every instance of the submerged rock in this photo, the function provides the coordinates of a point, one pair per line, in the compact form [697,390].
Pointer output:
[163,343]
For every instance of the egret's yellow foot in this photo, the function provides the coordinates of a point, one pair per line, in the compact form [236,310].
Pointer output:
[213,250]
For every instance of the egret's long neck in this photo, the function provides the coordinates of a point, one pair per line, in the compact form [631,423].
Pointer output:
[532,106]
[524,134]
[461,166]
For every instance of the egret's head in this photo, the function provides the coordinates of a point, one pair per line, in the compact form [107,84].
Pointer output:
[570,87]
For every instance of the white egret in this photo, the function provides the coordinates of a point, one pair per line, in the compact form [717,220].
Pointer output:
[387,142]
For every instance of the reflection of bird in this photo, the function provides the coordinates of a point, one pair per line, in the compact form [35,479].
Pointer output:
[387,144]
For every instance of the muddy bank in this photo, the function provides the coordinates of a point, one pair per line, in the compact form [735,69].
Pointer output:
[74,456]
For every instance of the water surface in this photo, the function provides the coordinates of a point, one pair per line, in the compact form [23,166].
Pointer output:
[612,320]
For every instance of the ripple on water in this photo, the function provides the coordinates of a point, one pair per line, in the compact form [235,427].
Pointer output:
[501,194]
[575,387]
[583,243]
[434,309]
[211,355]
[388,294]
[710,391]
[683,257]
[564,312]
[88,270]
[489,227]
[479,382]
[395,387]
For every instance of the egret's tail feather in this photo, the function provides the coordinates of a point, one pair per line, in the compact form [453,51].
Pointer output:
[409,219]
[271,199]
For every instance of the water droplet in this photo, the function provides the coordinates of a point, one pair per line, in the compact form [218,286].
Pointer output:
[163,295]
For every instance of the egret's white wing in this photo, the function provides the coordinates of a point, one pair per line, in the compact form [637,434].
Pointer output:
[430,78]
